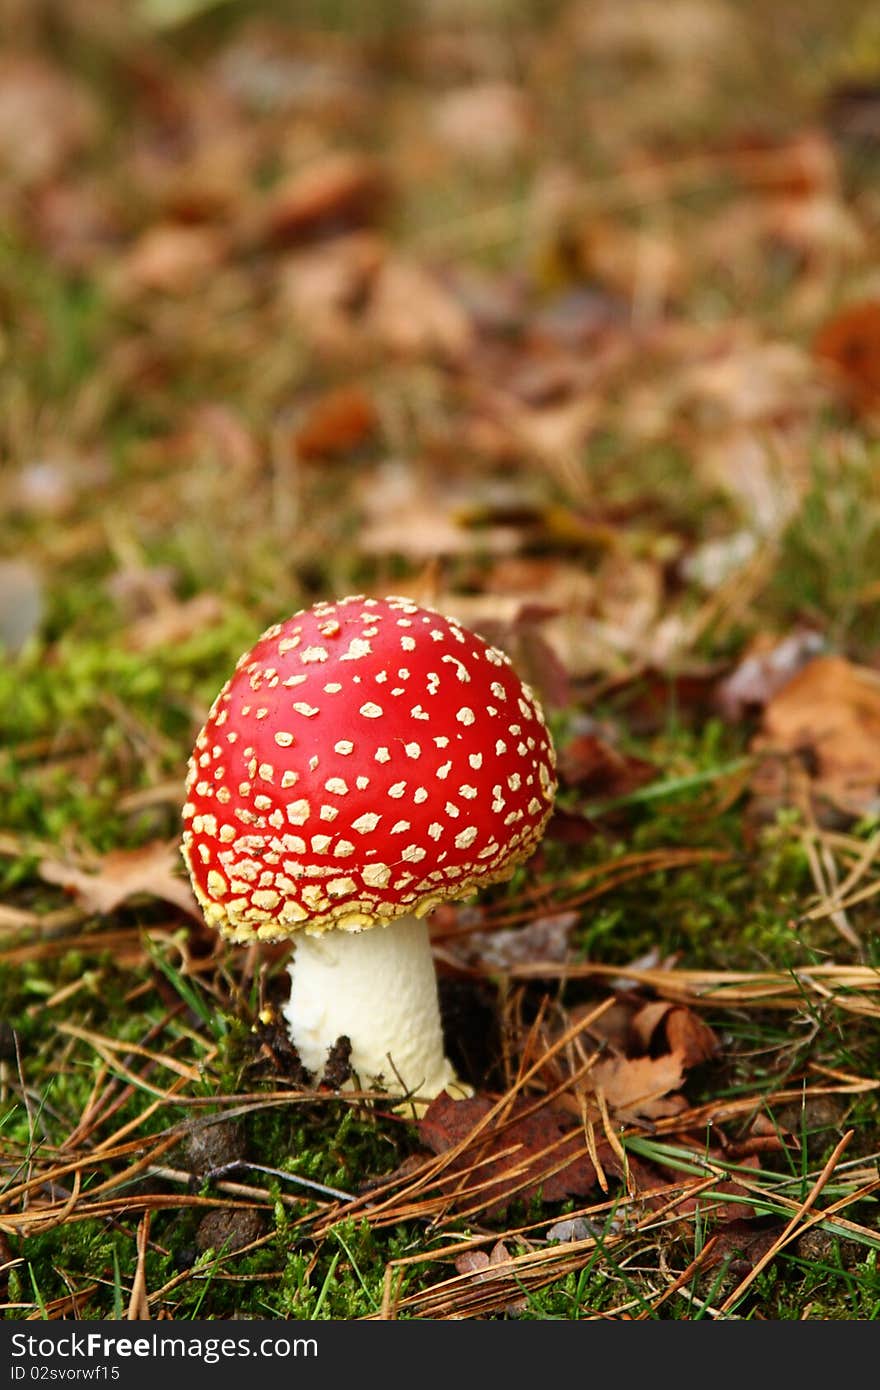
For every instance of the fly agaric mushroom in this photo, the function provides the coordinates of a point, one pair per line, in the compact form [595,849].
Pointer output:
[367,760]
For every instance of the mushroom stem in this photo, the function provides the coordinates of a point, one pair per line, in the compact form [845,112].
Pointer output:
[378,988]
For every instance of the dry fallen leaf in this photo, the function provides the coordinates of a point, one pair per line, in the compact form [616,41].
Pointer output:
[171,259]
[174,622]
[850,344]
[488,124]
[411,314]
[516,1157]
[831,712]
[484,1267]
[601,771]
[152,871]
[641,1086]
[325,287]
[743,1243]
[768,664]
[336,422]
[337,193]
[46,118]
[405,511]
[685,1033]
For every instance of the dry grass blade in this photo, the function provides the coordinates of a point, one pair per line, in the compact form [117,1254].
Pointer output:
[792,1228]
[611,875]
[109,1048]
[848,987]
[139,1304]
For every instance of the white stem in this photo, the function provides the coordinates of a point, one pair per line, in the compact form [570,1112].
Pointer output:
[378,988]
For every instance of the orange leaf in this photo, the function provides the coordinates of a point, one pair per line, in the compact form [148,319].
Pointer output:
[336,422]
[850,343]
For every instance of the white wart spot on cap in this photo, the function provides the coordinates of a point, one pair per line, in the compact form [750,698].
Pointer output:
[340,887]
[357,648]
[265,898]
[376,875]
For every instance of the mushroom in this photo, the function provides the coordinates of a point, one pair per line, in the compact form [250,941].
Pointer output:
[367,760]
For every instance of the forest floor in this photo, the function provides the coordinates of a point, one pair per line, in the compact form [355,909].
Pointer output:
[562,318]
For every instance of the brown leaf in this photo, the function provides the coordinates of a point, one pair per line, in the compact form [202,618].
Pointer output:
[507,1175]
[153,871]
[412,315]
[77,223]
[338,193]
[570,829]
[411,514]
[768,664]
[684,1032]
[744,1243]
[174,622]
[46,118]
[488,124]
[484,1267]
[171,259]
[850,344]
[689,1206]
[337,422]
[801,166]
[646,267]
[326,287]
[831,711]
[689,1037]
[752,381]
[641,1086]
[599,770]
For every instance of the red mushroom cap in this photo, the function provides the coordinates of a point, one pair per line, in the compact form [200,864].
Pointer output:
[368,758]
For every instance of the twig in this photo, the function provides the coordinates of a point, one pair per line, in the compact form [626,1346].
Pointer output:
[791,1229]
